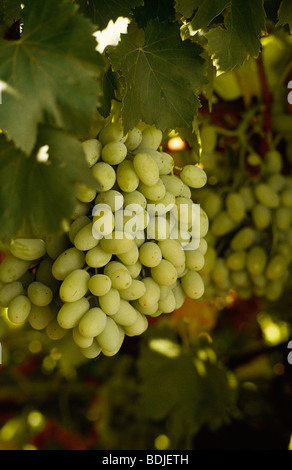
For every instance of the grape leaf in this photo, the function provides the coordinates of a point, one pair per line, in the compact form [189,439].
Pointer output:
[161,75]
[50,73]
[187,7]
[39,195]
[232,45]
[101,12]
[207,11]
[285,14]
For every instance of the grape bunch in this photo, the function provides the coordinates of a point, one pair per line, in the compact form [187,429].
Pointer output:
[131,250]
[250,235]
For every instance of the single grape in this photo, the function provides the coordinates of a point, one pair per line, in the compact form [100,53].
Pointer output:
[28,249]
[39,294]
[74,286]
[19,309]
[114,153]
[92,323]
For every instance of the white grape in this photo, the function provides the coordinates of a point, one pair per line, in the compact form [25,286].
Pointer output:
[39,294]
[74,286]
[92,323]
[28,249]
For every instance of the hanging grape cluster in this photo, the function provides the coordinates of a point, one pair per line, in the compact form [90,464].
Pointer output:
[250,213]
[100,280]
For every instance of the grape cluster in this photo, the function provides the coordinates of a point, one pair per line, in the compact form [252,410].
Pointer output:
[250,236]
[112,268]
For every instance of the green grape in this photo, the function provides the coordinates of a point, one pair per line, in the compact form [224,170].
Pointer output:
[236,260]
[27,249]
[130,257]
[173,184]
[172,251]
[127,178]
[109,339]
[194,260]
[150,254]
[12,268]
[163,160]
[273,161]
[99,284]
[118,274]
[283,217]
[110,302]
[151,138]
[274,289]
[74,286]
[103,223]
[57,243]
[151,294]
[75,227]
[119,243]
[112,198]
[97,258]
[135,269]
[266,195]
[85,193]
[111,132]
[19,309]
[68,261]
[203,246]
[80,340]
[92,352]
[86,239]
[151,311]
[134,138]
[137,328]
[126,315]
[80,208]
[146,168]
[134,291]
[92,149]
[54,331]
[179,294]
[243,239]
[222,224]
[135,197]
[240,278]
[114,153]
[256,260]
[39,317]
[168,304]
[193,285]
[235,206]
[161,206]
[156,192]
[164,273]
[220,272]
[248,196]
[208,136]
[71,313]
[277,182]
[210,259]
[158,228]
[9,291]
[213,205]
[286,198]
[92,323]
[261,216]
[39,294]
[193,176]
[45,276]
[276,267]
[105,175]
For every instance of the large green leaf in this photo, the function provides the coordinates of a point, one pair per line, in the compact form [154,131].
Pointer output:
[162,74]
[240,37]
[50,73]
[101,12]
[36,194]
[285,14]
